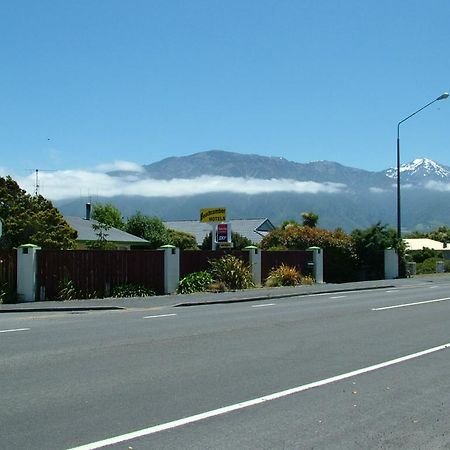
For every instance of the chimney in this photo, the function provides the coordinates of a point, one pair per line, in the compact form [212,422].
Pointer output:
[88,211]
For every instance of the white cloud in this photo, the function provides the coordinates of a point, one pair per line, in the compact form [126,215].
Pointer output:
[127,166]
[75,183]
[437,186]
[375,190]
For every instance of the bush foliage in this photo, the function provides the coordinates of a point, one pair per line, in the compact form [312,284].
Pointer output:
[283,275]
[131,290]
[195,282]
[232,271]
[31,220]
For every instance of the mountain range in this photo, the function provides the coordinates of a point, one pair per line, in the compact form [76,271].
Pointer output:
[342,196]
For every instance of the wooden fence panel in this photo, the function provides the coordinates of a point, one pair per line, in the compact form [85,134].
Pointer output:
[301,259]
[8,268]
[99,271]
[197,260]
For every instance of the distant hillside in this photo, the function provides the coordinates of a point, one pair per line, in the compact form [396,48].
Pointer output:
[365,198]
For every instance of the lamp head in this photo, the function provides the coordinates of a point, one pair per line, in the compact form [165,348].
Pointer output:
[443,96]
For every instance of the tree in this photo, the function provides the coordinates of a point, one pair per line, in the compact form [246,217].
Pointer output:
[182,240]
[34,220]
[101,243]
[109,215]
[310,219]
[150,228]
[369,245]
[289,223]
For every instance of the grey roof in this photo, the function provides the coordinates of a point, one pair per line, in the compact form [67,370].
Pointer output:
[253,229]
[87,233]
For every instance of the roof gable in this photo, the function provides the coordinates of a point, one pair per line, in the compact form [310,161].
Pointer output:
[87,233]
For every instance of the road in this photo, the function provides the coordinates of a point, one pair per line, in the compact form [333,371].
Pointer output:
[346,370]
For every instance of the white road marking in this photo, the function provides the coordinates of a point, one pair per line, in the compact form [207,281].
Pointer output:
[15,329]
[404,305]
[338,296]
[158,316]
[262,306]
[254,402]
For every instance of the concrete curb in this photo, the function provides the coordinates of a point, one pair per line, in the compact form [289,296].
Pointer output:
[276,296]
[62,309]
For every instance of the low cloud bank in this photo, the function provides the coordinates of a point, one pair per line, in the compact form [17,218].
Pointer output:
[78,183]
[438,186]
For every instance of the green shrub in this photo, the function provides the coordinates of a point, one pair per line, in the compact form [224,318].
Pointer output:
[132,290]
[419,256]
[67,290]
[195,282]
[232,271]
[283,275]
[429,265]
[307,279]
[7,295]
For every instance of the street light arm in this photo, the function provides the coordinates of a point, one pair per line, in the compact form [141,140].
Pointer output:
[414,113]
[442,97]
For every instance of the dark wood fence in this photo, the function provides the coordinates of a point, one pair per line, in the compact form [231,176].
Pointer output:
[96,271]
[8,268]
[301,259]
[197,260]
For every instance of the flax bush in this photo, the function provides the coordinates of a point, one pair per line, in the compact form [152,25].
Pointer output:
[283,275]
[232,271]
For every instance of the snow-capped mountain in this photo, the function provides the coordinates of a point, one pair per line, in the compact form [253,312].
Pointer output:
[420,168]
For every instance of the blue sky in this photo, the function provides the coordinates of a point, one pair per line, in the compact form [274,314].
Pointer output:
[88,82]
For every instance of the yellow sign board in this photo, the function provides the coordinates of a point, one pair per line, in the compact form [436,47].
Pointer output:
[213,214]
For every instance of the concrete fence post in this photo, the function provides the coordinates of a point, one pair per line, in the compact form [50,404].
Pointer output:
[317,264]
[255,263]
[171,268]
[27,272]
[390,264]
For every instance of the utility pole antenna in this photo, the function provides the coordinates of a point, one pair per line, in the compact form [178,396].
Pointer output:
[36,185]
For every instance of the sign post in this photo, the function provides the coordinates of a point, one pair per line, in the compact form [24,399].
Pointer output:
[213,216]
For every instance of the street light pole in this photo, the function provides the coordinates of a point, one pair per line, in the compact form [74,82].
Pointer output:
[399,216]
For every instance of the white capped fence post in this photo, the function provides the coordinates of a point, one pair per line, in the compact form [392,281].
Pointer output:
[255,263]
[390,264]
[171,268]
[318,264]
[26,272]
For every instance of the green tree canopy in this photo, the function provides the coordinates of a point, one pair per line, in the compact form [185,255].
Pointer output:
[369,245]
[150,228]
[310,219]
[109,215]
[182,240]
[34,220]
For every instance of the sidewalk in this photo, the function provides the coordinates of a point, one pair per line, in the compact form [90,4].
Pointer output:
[208,298]
[203,298]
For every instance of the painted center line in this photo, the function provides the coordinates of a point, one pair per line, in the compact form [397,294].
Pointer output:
[158,316]
[14,330]
[253,402]
[262,306]
[404,305]
[338,296]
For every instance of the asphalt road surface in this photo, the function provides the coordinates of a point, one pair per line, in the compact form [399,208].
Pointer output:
[348,370]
